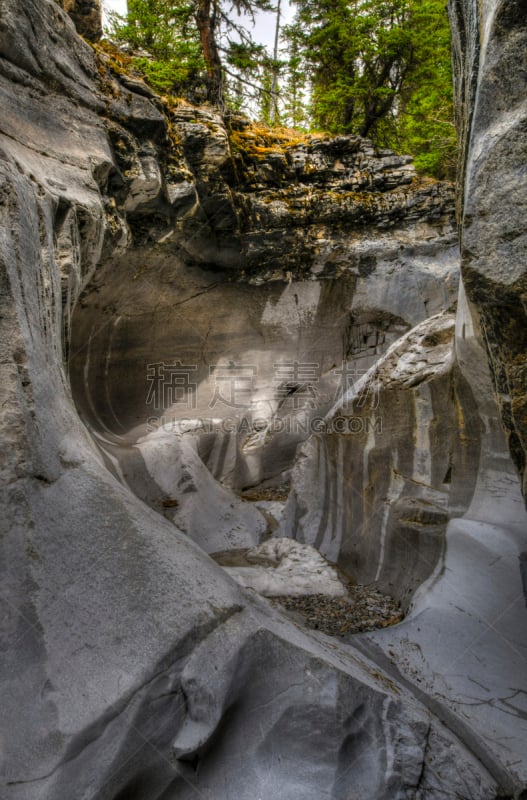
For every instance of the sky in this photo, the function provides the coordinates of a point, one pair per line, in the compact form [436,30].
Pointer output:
[263,32]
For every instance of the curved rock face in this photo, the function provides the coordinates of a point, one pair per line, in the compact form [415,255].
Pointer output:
[133,666]
[312,255]
[374,491]
[490,53]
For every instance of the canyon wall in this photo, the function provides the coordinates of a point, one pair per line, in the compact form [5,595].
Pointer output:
[489,59]
[139,235]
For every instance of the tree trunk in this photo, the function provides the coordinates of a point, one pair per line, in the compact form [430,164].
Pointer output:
[274,85]
[206,18]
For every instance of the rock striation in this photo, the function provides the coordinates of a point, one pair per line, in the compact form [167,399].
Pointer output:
[299,236]
[136,233]
[376,488]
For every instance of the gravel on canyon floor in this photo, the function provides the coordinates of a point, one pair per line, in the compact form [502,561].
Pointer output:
[366,609]
[273,493]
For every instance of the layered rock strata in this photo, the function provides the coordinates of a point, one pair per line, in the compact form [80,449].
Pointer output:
[326,249]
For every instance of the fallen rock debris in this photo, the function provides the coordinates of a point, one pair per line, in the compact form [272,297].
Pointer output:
[366,610]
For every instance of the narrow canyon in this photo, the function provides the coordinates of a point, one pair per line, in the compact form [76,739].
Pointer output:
[241,365]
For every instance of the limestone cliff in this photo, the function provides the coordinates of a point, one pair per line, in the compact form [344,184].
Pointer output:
[489,59]
[135,233]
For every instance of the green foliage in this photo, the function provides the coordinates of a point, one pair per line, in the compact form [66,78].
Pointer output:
[356,53]
[245,56]
[158,26]
[380,68]
[265,97]
[294,91]
[180,40]
[426,120]
[167,33]
[171,77]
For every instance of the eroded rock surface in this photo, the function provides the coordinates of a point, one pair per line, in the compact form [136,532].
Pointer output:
[374,491]
[282,566]
[133,667]
[320,263]
[490,59]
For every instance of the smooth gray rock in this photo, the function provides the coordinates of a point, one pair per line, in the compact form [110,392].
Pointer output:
[123,328]
[282,566]
[464,642]
[372,490]
[133,667]
[430,507]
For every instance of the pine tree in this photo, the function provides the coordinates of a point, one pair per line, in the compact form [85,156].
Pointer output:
[426,120]
[276,68]
[380,68]
[182,37]
[294,85]
[356,53]
[266,96]
[166,37]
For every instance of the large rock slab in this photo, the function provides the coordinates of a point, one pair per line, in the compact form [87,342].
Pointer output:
[372,490]
[281,566]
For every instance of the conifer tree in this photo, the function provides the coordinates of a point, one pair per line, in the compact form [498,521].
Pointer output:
[184,36]
[380,68]
[165,36]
